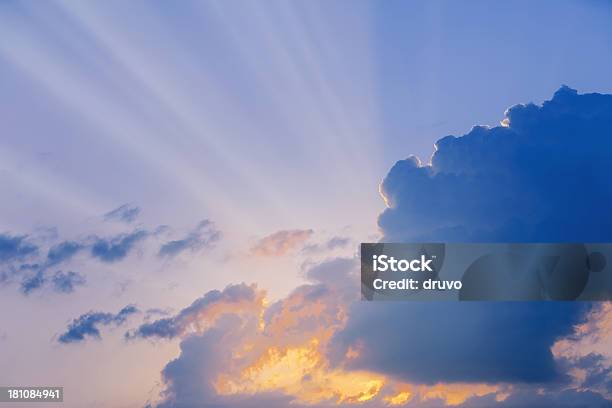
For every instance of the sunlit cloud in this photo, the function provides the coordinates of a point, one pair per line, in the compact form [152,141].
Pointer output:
[282,348]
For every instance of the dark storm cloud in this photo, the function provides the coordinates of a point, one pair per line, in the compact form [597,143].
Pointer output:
[543,177]
[116,248]
[87,325]
[204,235]
[126,213]
[15,248]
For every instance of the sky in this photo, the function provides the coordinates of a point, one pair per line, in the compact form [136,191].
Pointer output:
[184,187]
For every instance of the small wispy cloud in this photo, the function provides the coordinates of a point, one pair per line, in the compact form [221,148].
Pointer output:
[15,247]
[125,213]
[281,242]
[63,251]
[60,281]
[38,262]
[204,235]
[329,245]
[66,282]
[33,282]
[116,248]
[88,324]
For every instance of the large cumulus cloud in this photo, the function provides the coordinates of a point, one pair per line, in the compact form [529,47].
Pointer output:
[279,346]
[274,356]
[541,176]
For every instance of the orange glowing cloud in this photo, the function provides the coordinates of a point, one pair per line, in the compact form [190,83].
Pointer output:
[288,356]
[303,373]
[400,398]
[282,348]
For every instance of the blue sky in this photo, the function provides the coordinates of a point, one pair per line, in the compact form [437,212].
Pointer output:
[245,101]
[249,140]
